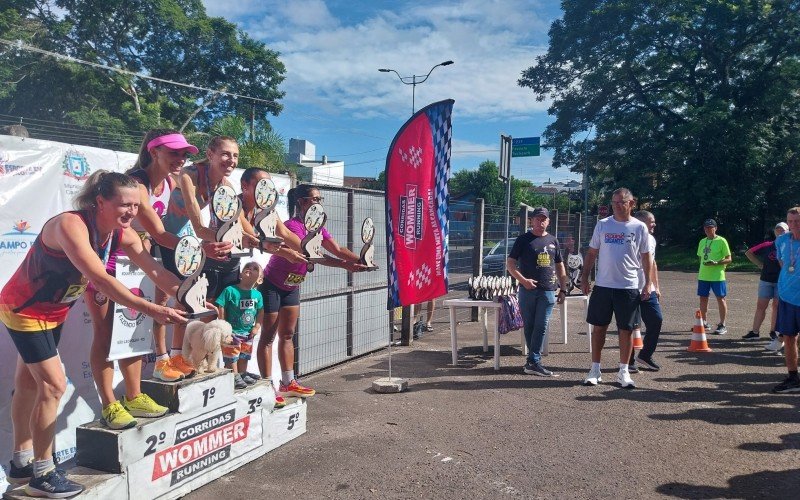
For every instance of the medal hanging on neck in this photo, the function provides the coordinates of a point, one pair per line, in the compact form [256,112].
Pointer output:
[707,249]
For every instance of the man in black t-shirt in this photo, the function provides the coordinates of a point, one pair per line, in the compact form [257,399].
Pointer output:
[535,261]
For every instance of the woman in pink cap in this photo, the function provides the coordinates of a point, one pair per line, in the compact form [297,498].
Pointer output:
[162,155]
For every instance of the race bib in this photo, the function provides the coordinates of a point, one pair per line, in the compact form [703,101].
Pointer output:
[294,279]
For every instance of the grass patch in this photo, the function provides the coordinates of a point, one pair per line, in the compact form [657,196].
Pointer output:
[685,259]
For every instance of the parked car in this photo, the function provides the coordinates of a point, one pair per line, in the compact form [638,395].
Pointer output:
[495,261]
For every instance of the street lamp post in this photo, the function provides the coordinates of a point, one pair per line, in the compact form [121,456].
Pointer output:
[412,80]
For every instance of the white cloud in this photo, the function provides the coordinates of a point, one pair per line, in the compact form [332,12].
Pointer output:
[332,62]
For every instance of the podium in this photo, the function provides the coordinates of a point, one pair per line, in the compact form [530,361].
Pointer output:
[211,430]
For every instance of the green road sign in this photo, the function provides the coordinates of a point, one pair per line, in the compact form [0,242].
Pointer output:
[524,146]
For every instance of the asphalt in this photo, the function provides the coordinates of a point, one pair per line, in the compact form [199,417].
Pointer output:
[705,426]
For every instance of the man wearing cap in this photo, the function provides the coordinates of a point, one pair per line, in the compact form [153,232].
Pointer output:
[715,255]
[619,245]
[788,249]
[764,256]
[540,273]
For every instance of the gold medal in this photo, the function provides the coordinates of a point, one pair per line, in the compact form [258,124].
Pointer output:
[791,269]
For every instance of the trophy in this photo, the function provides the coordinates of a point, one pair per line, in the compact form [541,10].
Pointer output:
[227,207]
[368,251]
[312,243]
[189,260]
[266,221]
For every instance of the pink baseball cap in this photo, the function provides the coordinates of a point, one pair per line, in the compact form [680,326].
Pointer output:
[172,141]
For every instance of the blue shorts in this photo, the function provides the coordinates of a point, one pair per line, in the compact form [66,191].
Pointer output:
[788,322]
[767,290]
[720,288]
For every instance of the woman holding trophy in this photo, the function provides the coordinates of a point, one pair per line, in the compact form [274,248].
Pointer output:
[71,249]
[281,287]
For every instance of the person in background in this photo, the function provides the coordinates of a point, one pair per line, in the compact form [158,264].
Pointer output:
[714,254]
[535,261]
[619,246]
[72,249]
[649,308]
[765,257]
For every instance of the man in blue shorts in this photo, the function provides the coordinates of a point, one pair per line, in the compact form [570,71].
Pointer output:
[619,245]
[715,255]
[788,247]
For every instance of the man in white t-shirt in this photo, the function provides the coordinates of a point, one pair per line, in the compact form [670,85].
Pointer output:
[619,245]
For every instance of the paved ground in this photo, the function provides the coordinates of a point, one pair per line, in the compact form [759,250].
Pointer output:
[705,426]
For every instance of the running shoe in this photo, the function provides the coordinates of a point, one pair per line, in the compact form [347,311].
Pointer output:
[238,382]
[751,335]
[165,372]
[721,329]
[648,362]
[180,363]
[144,406]
[536,369]
[254,376]
[594,377]
[54,484]
[293,389]
[775,345]
[279,401]
[18,475]
[624,379]
[632,368]
[788,385]
[248,379]
[116,417]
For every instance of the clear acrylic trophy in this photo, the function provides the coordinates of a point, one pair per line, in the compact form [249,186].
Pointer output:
[266,221]
[314,220]
[189,260]
[368,251]
[227,207]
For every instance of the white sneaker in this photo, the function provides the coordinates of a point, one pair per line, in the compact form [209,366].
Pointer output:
[594,377]
[775,344]
[624,379]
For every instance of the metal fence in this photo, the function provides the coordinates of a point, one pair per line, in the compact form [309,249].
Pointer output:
[344,314]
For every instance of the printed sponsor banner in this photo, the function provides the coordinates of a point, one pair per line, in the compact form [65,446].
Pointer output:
[417,172]
[132,331]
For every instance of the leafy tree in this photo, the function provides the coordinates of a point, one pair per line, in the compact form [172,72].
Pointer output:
[169,39]
[690,103]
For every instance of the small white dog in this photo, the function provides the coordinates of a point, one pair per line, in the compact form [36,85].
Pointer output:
[202,344]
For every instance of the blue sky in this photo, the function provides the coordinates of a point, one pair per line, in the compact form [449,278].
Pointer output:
[337,99]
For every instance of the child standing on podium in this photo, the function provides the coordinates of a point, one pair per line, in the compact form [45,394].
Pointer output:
[242,306]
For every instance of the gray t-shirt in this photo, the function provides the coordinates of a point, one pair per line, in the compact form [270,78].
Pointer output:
[620,245]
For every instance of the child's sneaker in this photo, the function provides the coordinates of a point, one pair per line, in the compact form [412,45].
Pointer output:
[248,379]
[182,365]
[115,416]
[293,389]
[254,376]
[144,406]
[165,372]
[238,382]
[54,484]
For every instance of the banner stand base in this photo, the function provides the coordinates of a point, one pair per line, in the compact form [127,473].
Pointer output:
[390,385]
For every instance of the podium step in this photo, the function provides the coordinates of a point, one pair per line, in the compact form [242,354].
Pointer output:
[201,391]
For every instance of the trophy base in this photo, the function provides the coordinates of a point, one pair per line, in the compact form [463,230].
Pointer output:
[372,268]
[317,259]
[236,255]
[202,314]
[272,239]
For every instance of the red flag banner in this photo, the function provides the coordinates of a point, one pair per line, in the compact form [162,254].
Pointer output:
[417,173]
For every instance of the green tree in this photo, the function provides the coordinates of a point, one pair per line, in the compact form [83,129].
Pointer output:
[692,104]
[485,183]
[169,39]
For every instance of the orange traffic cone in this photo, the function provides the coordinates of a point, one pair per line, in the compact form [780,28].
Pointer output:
[638,344]
[699,342]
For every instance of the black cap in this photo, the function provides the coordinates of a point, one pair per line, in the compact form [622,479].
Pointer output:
[539,211]
[710,223]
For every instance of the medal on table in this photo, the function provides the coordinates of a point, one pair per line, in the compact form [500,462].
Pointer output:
[189,260]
